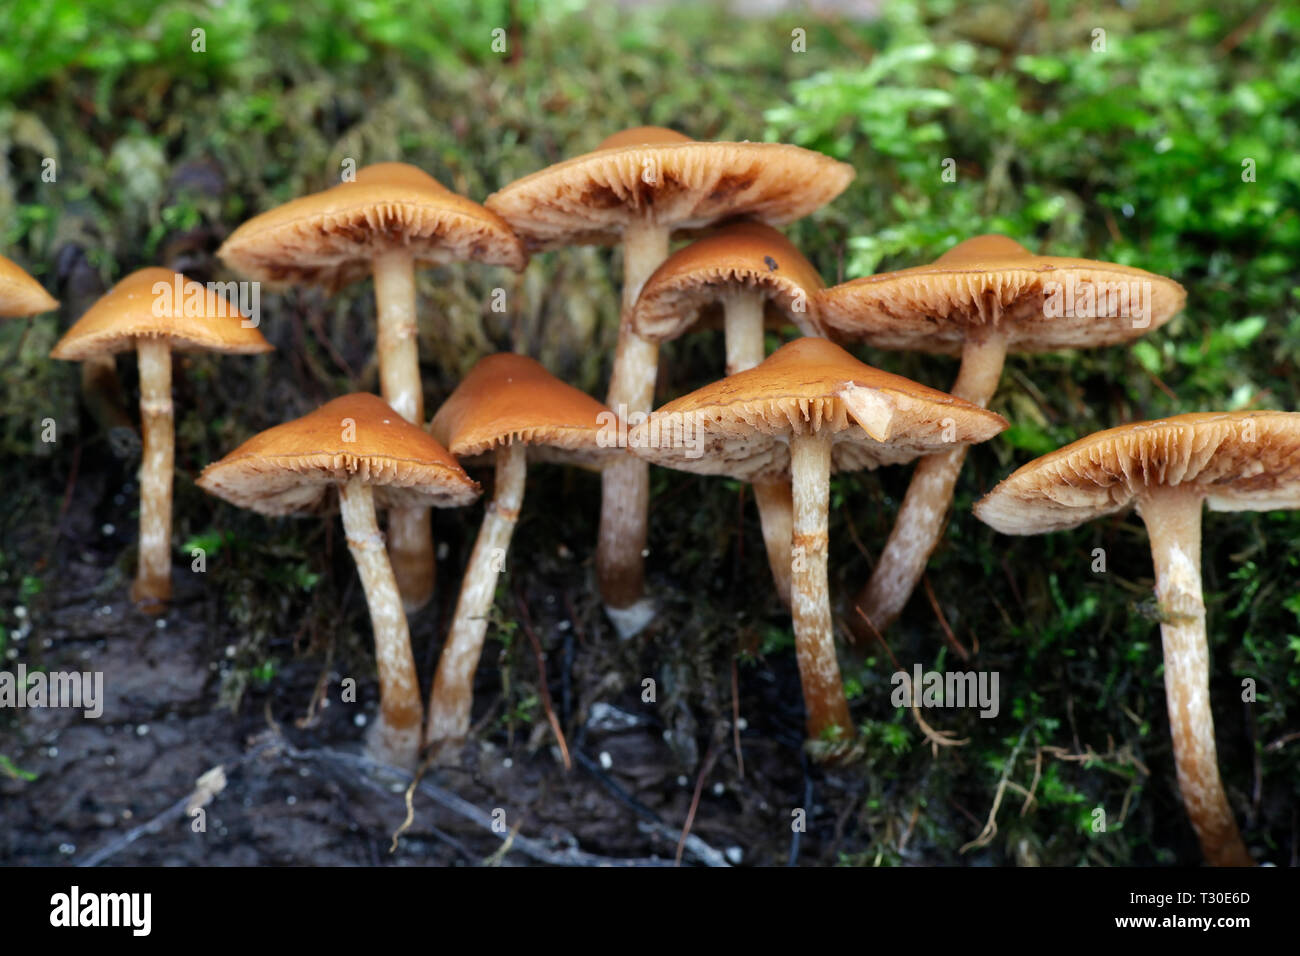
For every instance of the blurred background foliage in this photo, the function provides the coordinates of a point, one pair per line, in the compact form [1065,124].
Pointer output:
[1164,135]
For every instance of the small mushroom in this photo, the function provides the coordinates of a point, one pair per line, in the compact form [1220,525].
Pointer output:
[353,452]
[749,269]
[809,409]
[508,410]
[152,312]
[636,189]
[20,294]
[1232,461]
[392,217]
[981,299]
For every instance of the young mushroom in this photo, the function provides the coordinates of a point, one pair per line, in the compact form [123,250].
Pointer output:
[152,312]
[637,189]
[384,223]
[508,410]
[355,451]
[808,410]
[749,269]
[1232,461]
[983,298]
[20,294]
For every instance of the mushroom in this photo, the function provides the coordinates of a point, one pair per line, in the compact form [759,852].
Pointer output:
[508,410]
[809,409]
[636,189]
[355,451]
[747,267]
[154,311]
[391,217]
[20,294]
[981,299]
[1232,461]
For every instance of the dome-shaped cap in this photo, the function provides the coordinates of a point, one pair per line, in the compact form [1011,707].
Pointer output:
[157,303]
[331,238]
[294,468]
[508,398]
[739,257]
[20,294]
[1040,303]
[656,175]
[741,426]
[1238,461]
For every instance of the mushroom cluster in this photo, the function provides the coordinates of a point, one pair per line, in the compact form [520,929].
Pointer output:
[783,422]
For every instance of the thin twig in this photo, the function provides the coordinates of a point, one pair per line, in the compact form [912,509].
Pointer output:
[735,716]
[543,687]
[709,760]
[948,635]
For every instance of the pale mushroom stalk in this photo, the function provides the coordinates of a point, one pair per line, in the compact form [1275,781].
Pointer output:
[819,669]
[453,686]
[625,482]
[153,585]
[395,739]
[1173,520]
[921,518]
[743,328]
[410,536]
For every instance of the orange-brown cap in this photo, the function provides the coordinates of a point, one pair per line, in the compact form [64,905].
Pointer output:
[294,468]
[656,175]
[1040,303]
[742,256]
[160,304]
[508,398]
[1239,461]
[331,238]
[741,426]
[20,294]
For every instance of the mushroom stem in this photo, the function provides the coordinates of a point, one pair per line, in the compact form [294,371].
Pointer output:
[395,738]
[410,539]
[920,520]
[453,686]
[742,317]
[776,517]
[742,313]
[625,481]
[1173,519]
[153,584]
[819,669]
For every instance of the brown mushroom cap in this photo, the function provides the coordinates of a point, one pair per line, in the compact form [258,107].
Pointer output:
[742,256]
[146,305]
[293,468]
[508,398]
[20,294]
[994,281]
[656,175]
[810,385]
[1239,461]
[331,238]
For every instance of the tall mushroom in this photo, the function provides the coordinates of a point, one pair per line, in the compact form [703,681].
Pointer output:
[384,223]
[809,409]
[355,452]
[983,298]
[748,268]
[152,312]
[20,294]
[636,189]
[508,410]
[1232,461]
